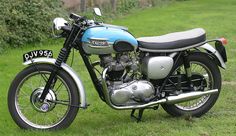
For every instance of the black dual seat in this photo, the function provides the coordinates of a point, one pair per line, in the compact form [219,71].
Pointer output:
[174,41]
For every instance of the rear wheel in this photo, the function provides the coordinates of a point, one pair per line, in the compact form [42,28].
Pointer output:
[24,93]
[201,66]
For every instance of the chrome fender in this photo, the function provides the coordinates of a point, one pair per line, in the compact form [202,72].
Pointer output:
[70,71]
[211,49]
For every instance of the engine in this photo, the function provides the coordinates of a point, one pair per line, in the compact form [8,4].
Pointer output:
[116,65]
[124,85]
[131,92]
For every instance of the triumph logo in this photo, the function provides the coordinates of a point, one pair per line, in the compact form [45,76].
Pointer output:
[162,68]
[97,42]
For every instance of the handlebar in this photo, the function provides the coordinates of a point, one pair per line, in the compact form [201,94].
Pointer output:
[79,21]
[66,28]
[78,18]
[74,16]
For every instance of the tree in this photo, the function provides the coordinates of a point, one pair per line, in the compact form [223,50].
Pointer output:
[113,5]
[83,5]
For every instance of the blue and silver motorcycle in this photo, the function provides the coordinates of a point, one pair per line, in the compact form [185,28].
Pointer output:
[179,71]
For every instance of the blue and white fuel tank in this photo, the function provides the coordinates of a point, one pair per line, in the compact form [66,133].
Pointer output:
[108,39]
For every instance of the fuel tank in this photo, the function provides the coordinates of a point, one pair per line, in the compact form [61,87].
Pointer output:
[107,40]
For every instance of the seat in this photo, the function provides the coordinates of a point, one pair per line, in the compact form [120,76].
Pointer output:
[174,41]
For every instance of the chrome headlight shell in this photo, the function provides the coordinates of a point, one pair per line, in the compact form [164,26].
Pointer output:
[58,23]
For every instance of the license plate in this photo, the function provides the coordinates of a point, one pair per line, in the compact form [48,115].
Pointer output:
[36,54]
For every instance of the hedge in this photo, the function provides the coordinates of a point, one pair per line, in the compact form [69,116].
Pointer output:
[23,22]
[26,21]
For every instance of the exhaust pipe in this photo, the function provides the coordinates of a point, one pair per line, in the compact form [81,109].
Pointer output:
[188,96]
[169,100]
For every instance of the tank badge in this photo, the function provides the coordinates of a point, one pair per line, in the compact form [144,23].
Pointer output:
[99,42]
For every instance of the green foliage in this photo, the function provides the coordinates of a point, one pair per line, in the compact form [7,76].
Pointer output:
[26,21]
[126,5]
[3,32]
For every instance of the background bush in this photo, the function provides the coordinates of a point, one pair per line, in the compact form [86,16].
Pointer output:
[26,21]
[112,6]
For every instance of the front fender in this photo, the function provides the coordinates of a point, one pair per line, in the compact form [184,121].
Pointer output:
[70,71]
[211,49]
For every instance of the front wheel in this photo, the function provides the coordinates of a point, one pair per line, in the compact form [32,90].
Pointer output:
[30,113]
[201,66]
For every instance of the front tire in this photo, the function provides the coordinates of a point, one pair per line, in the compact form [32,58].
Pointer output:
[28,112]
[214,75]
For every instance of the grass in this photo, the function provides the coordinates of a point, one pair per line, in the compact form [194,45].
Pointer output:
[216,16]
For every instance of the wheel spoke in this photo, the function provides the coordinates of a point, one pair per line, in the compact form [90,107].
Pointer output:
[23,108]
[29,112]
[198,68]
[57,90]
[24,94]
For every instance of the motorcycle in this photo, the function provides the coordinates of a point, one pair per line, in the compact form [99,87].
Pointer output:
[179,71]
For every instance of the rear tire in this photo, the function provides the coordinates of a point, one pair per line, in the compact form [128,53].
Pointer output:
[20,95]
[175,110]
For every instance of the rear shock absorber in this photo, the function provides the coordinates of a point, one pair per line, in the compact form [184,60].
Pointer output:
[187,67]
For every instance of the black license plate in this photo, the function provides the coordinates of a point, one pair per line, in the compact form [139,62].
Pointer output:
[36,54]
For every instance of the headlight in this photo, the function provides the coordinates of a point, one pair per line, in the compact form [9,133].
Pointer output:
[59,22]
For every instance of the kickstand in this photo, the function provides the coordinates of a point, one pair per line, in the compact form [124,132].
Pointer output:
[140,114]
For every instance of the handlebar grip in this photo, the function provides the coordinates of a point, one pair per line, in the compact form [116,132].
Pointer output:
[66,28]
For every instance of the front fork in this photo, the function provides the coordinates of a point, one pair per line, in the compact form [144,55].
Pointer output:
[62,58]
[52,78]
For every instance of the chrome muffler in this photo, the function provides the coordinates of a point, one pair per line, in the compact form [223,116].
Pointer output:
[188,96]
[169,100]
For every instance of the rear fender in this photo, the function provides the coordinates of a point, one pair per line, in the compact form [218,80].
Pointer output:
[70,71]
[215,54]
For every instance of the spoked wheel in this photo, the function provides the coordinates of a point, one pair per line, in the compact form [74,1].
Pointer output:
[30,113]
[205,76]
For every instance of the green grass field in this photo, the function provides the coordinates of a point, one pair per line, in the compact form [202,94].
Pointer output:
[217,17]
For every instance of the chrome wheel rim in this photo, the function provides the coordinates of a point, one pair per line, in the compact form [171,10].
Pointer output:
[199,68]
[33,115]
